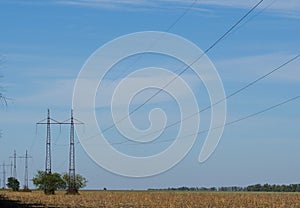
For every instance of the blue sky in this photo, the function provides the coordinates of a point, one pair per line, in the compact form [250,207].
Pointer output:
[44,44]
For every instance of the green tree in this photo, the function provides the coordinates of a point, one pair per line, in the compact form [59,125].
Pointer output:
[13,183]
[49,182]
[80,181]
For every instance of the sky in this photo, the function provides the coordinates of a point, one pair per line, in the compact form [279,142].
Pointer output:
[45,44]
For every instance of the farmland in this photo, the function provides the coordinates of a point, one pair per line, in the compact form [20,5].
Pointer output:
[149,199]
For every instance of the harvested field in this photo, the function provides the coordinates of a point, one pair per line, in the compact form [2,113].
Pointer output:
[153,199]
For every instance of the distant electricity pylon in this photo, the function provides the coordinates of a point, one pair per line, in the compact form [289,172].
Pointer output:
[26,187]
[11,166]
[4,174]
[15,164]
[72,189]
[26,172]
[15,167]
[48,121]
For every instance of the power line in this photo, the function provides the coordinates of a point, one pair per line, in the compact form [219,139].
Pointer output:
[225,98]
[161,36]
[218,127]
[226,124]
[186,68]
[229,96]
[232,94]
[263,111]
[182,15]
[252,17]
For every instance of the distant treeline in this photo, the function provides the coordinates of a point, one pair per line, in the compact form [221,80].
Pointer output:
[251,188]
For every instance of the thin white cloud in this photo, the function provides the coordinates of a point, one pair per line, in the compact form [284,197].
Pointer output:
[107,4]
[251,67]
[289,8]
[61,91]
[104,96]
[59,94]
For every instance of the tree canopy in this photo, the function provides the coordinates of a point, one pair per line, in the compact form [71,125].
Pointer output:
[49,182]
[13,183]
[80,181]
[251,188]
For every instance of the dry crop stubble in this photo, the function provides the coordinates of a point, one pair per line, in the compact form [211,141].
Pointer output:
[152,199]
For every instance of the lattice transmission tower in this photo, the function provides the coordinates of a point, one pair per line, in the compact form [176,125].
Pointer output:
[26,157]
[72,188]
[48,121]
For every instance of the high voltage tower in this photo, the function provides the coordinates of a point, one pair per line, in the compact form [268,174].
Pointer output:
[72,189]
[15,163]
[26,187]
[11,166]
[4,174]
[48,121]
[26,172]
